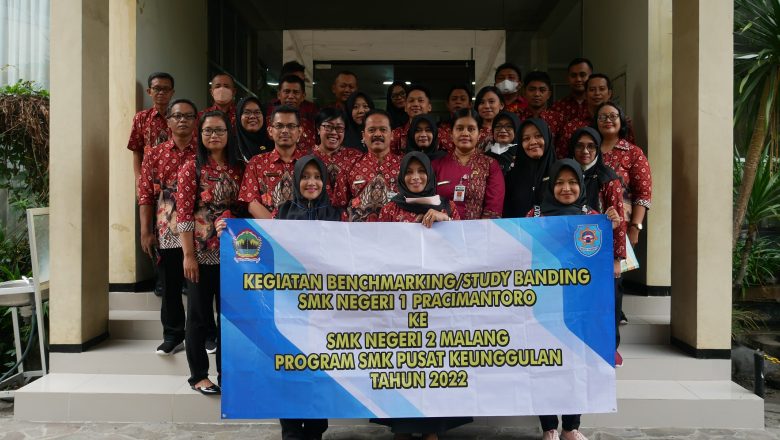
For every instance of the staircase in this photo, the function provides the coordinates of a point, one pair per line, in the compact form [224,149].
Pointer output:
[123,380]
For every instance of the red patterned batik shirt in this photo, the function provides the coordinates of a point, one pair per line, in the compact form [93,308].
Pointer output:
[398,144]
[149,129]
[395,214]
[571,109]
[231,112]
[367,187]
[200,203]
[157,186]
[630,163]
[341,161]
[268,179]
[484,182]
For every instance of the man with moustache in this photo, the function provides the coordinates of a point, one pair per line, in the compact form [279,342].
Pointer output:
[371,182]
[268,178]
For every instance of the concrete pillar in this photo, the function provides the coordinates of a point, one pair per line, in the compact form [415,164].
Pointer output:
[702,176]
[79,173]
[125,263]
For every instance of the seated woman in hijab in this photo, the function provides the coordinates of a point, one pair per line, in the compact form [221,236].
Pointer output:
[252,132]
[358,105]
[525,181]
[416,200]
[503,148]
[604,190]
[566,194]
[310,200]
[423,136]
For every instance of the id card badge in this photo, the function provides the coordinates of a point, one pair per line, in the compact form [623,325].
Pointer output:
[460,193]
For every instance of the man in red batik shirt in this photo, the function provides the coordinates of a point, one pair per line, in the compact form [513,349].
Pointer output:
[150,126]
[537,91]
[308,110]
[343,85]
[223,91]
[508,82]
[574,105]
[268,178]
[372,181]
[292,93]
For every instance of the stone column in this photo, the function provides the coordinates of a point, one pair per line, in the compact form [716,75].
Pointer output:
[702,176]
[79,173]
[125,261]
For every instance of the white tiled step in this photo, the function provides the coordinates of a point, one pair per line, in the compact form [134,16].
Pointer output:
[136,301]
[646,329]
[664,362]
[124,356]
[646,305]
[149,398]
[137,356]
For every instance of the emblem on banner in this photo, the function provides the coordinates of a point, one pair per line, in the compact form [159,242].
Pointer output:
[247,246]
[588,239]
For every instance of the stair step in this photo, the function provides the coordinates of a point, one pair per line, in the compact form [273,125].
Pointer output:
[62,397]
[646,305]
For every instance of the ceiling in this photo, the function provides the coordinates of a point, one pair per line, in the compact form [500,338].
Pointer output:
[510,15]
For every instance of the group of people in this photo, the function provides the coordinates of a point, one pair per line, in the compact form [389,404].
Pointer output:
[511,155]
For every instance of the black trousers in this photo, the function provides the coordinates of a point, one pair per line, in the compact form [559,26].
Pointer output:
[171,274]
[570,422]
[200,316]
[303,429]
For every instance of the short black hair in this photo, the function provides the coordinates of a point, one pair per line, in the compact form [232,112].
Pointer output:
[576,61]
[537,75]
[465,113]
[180,101]
[326,114]
[160,75]
[293,79]
[623,132]
[345,73]
[419,87]
[378,111]
[285,109]
[599,75]
[460,87]
[508,66]
[291,67]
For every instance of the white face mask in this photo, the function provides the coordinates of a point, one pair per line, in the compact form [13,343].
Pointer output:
[222,95]
[507,86]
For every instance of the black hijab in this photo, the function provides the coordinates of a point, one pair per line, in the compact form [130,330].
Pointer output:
[300,208]
[526,180]
[251,144]
[353,135]
[429,190]
[433,152]
[599,173]
[550,205]
[398,116]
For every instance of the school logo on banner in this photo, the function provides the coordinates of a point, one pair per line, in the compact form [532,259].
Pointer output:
[587,238]
[247,245]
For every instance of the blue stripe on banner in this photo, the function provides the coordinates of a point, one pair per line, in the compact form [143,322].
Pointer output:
[580,316]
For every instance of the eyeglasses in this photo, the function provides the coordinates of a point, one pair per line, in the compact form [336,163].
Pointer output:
[336,128]
[580,146]
[255,113]
[398,95]
[612,117]
[208,132]
[502,127]
[157,90]
[290,127]
[182,116]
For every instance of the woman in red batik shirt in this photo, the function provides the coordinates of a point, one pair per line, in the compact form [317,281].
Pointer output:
[417,201]
[330,148]
[208,193]
[466,176]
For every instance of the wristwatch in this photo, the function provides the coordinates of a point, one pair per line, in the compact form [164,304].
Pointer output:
[637,225]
